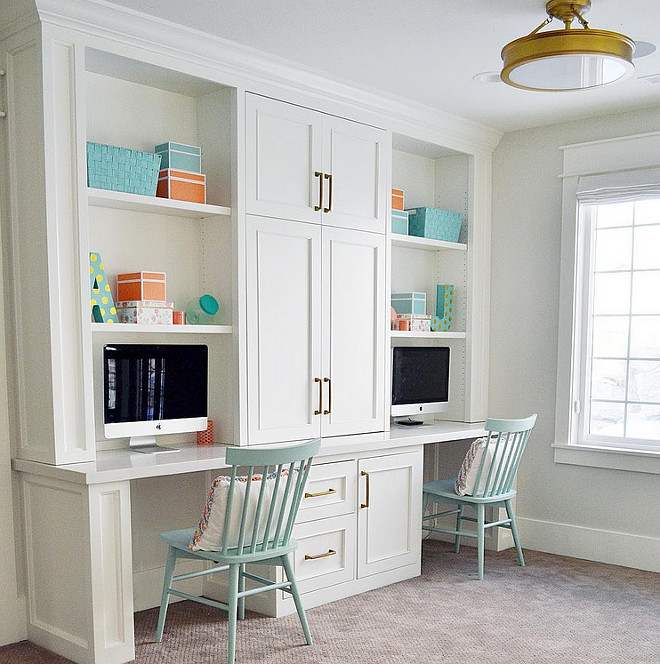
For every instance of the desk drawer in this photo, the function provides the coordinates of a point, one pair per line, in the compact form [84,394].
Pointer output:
[325,554]
[330,491]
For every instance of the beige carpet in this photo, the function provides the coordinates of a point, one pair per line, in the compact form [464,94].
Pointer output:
[556,610]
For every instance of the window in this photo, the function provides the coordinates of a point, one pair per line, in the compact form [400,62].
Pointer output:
[617,400]
[608,355]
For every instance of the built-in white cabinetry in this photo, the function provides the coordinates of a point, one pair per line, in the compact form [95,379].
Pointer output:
[294,242]
[389,532]
[310,166]
[360,518]
[315,333]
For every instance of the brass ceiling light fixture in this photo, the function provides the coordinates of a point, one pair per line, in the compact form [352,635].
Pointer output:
[568,59]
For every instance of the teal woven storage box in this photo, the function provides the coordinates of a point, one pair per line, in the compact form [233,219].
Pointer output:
[179,156]
[400,222]
[409,303]
[121,169]
[434,224]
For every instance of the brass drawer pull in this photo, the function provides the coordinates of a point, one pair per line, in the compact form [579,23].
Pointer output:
[328,176]
[319,175]
[320,409]
[329,382]
[330,552]
[364,473]
[321,493]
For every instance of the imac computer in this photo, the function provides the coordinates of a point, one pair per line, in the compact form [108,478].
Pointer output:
[150,390]
[420,382]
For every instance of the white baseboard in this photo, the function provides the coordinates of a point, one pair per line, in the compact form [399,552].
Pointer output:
[603,546]
[13,626]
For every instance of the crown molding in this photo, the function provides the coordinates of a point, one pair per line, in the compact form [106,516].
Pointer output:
[252,66]
[22,22]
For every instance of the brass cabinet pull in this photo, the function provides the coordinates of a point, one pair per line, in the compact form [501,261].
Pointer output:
[331,552]
[318,412]
[329,382]
[364,473]
[318,174]
[328,176]
[329,492]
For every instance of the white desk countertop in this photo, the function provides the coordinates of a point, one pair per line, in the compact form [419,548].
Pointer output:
[122,464]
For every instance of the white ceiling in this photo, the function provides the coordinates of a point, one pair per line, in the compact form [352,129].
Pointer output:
[426,50]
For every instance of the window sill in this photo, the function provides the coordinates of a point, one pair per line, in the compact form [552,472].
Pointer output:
[607,457]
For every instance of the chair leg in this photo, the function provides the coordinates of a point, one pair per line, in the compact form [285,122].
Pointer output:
[288,569]
[514,532]
[457,538]
[241,588]
[167,583]
[481,508]
[234,573]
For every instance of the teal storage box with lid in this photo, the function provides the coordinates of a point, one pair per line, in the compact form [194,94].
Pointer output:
[400,222]
[434,224]
[409,303]
[179,156]
[121,169]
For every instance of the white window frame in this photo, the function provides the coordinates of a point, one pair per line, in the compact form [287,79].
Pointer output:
[621,158]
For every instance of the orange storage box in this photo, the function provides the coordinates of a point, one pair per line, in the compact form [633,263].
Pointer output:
[397,199]
[182,185]
[141,286]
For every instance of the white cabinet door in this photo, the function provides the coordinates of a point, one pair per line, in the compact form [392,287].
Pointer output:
[390,514]
[355,159]
[304,165]
[353,332]
[283,329]
[283,153]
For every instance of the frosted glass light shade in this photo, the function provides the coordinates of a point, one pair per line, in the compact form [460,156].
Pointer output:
[562,60]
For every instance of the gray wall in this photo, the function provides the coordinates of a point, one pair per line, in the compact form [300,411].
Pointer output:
[607,515]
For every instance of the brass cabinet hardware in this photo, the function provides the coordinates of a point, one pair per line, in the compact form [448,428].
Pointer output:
[329,382]
[331,552]
[318,174]
[329,492]
[318,412]
[364,473]
[328,176]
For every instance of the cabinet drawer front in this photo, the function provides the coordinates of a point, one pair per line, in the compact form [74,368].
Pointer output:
[325,554]
[330,491]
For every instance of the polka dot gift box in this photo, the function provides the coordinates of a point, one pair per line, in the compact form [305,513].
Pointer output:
[444,308]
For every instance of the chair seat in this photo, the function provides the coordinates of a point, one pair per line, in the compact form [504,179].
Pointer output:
[446,488]
[180,539]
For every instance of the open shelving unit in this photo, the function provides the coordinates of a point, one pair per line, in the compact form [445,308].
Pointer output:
[425,244]
[438,336]
[434,176]
[138,105]
[119,200]
[127,328]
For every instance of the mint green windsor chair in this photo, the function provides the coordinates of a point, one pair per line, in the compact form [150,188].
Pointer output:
[508,440]
[271,547]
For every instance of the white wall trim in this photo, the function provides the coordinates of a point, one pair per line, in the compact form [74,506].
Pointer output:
[124,25]
[624,153]
[605,546]
[605,457]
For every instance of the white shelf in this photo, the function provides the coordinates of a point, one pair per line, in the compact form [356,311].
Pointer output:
[161,329]
[151,204]
[425,244]
[401,334]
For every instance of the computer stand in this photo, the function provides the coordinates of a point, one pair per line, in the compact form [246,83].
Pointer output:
[147,445]
[408,422]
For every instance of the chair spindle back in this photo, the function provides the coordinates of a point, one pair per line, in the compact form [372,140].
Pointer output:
[279,505]
[507,440]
